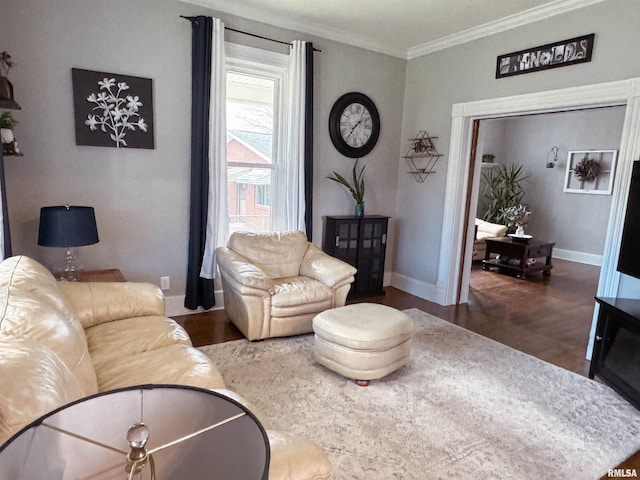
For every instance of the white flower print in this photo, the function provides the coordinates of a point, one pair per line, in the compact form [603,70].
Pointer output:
[118,113]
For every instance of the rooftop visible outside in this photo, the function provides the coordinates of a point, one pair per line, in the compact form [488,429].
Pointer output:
[249,151]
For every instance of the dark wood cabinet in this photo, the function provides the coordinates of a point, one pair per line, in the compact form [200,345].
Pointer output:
[361,242]
[615,357]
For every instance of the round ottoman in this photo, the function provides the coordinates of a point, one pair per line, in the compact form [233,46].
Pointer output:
[363,341]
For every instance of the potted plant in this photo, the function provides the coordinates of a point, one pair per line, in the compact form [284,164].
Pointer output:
[7,124]
[356,190]
[503,189]
[517,216]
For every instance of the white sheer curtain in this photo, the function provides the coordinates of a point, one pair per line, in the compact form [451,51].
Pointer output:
[291,204]
[217,220]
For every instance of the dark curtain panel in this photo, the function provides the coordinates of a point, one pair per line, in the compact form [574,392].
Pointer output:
[5,213]
[199,290]
[308,143]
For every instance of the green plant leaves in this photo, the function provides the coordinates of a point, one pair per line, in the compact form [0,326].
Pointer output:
[503,189]
[357,189]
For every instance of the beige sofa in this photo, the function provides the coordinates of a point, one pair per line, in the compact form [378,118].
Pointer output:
[485,230]
[61,341]
[275,283]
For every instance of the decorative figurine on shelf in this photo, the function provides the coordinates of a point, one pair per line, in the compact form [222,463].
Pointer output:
[356,190]
[6,89]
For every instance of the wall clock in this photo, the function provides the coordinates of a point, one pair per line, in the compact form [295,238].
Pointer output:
[354,125]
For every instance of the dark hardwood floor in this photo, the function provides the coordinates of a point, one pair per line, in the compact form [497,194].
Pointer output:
[547,317]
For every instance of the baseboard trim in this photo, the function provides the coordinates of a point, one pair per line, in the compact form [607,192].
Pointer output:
[415,287]
[174,305]
[579,257]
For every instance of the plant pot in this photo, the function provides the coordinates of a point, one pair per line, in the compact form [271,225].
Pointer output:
[6,94]
[359,212]
[6,134]
[5,89]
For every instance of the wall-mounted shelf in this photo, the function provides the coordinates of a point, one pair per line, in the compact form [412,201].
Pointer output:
[10,105]
[422,156]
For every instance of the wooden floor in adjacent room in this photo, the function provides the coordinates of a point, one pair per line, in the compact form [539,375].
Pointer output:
[547,317]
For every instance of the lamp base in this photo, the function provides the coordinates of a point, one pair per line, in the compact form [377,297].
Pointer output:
[69,270]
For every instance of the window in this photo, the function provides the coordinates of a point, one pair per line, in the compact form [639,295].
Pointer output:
[256,82]
[263,195]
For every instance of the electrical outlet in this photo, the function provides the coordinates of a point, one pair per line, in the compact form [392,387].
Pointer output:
[165,283]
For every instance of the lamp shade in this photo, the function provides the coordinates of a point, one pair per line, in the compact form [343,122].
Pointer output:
[167,432]
[67,226]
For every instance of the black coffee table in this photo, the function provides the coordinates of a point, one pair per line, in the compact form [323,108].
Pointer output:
[519,252]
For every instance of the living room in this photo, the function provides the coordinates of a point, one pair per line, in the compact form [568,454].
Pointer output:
[141,197]
[144,224]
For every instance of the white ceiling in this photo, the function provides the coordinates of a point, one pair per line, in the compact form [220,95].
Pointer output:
[402,28]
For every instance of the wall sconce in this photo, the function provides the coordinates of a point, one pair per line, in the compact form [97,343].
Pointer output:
[67,226]
[552,157]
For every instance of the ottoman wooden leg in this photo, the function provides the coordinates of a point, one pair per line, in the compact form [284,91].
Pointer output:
[362,383]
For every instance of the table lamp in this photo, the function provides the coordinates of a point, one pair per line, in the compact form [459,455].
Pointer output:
[142,432]
[68,227]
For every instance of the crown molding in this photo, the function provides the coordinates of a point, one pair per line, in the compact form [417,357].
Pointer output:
[236,8]
[535,14]
[507,23]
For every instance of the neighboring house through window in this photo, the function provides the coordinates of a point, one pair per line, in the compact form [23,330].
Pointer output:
[256,89]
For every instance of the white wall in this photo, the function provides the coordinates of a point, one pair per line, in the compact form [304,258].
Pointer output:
[141,197]
[466,73]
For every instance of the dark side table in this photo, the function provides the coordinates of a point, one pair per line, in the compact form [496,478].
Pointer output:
[518,252]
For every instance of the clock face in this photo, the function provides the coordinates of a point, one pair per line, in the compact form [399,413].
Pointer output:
[354,125]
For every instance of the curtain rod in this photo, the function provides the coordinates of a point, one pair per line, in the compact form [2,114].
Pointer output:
[191,19]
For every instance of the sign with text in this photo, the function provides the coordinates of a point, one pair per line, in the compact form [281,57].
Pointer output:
[552,55]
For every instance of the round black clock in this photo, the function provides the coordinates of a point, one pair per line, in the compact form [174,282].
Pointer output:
[354,125]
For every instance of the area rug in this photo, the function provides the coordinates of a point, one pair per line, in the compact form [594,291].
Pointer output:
[465,407]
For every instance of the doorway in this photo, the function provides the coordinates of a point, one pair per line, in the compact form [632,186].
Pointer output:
[456,234]
[539,146]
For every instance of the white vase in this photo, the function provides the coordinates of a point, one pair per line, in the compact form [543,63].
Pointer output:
[6,134]
[519,231]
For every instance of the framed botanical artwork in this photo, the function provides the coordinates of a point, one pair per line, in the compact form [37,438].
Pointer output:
[112,110]
[590,171]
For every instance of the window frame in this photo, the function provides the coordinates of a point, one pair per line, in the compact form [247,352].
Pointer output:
[252,61]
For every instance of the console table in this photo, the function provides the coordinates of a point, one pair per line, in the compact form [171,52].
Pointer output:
[521,252]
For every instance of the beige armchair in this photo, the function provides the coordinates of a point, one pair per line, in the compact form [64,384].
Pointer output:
[275,283]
